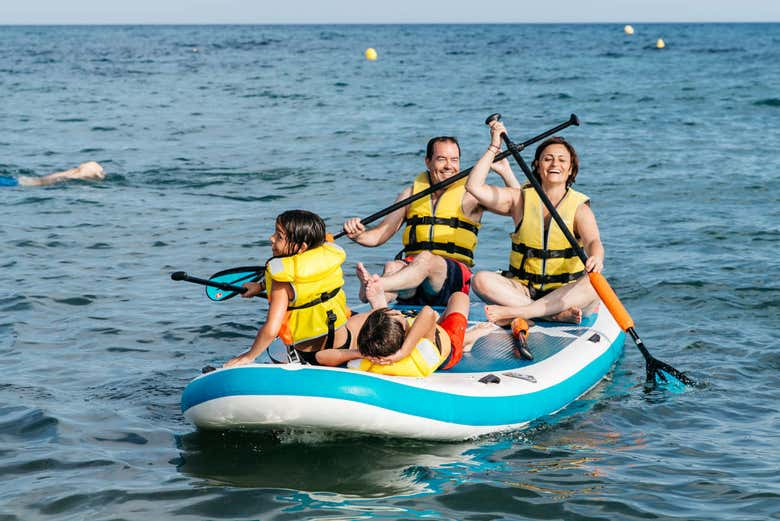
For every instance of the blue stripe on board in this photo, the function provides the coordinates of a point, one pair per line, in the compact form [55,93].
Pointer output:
[396,396]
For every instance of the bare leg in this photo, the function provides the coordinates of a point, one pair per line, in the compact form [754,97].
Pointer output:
[494,288]
[375,293]
[363,277]
[424,266]
[394,267]
[565,302]
[475,333]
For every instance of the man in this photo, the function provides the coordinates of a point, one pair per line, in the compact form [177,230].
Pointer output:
[89,171]
[440,232]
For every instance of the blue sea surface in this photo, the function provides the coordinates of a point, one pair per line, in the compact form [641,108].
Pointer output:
[208,132]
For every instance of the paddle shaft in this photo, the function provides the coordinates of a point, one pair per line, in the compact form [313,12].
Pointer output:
[460,175]
[180,275]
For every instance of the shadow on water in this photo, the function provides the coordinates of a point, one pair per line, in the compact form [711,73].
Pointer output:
[320,462]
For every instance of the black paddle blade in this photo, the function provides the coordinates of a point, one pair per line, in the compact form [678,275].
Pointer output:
[657,372]
[235,277]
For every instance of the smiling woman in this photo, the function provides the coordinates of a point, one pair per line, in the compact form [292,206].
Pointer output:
[545,276]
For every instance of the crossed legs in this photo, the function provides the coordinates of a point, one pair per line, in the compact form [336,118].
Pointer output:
[511,299]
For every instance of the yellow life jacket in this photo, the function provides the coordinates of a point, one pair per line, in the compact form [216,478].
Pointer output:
[444,229]
[424,359]
[545,262]
[319,305]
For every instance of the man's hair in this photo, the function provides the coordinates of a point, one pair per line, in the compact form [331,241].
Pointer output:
[381,334]
[575,160]
[301,226]
[440,139]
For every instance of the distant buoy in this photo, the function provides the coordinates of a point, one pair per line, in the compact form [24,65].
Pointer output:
[628,29]
[371,54]
[660,44]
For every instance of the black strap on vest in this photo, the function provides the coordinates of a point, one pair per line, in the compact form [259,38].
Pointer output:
[449,247]
[319,300]
[452,222]
[534,278]
[543,254]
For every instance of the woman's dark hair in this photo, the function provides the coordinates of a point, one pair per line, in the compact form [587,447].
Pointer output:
[556,140]
[440,139]
[381,334]
[301,226]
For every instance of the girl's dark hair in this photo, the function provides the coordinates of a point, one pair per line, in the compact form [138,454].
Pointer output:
[381,334]
[301,226]
[440,139]
[556,140]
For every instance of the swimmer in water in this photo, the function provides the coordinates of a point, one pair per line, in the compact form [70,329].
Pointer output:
[89,171]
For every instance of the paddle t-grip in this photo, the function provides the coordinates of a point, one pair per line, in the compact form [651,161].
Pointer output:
[179,275]
[493,117]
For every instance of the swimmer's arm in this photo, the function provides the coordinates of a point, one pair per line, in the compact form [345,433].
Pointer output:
[382,232]
[278,301]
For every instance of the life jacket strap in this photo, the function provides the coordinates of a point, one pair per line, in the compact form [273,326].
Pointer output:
[449,247]
[533,278]
[543,254]
[452,222]
[319,300]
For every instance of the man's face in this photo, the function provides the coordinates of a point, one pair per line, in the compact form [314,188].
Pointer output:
[444,162]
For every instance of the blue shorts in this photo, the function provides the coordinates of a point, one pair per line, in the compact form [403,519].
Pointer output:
[458,279]
[8,181]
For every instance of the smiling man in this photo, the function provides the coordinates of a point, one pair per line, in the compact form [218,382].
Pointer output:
[439,232]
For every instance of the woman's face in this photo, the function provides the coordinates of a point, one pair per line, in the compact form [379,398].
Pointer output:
[555,164]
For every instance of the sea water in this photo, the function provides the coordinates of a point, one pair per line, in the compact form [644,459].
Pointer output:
[208,132]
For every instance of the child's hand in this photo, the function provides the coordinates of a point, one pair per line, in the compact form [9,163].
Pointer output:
[253,289]
[242,359]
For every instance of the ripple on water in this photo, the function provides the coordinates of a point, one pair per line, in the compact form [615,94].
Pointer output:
[26,424]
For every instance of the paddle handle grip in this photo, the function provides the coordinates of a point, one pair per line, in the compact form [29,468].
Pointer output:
[611,300]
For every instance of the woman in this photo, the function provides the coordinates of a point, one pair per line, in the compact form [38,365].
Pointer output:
[546,277]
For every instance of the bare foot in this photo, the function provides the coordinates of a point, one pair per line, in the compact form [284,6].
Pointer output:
[475,333]
[363,277]
[500,315]
[571,315]
[375,293]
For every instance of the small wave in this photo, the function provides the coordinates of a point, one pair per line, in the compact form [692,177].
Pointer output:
[84,300]
[27,423]
[126,437]
[713,50]
[768,102]
[103,129]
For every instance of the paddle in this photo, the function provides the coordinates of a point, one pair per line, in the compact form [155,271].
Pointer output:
[216,281]
[223,285]
[573,120]
[655,368]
